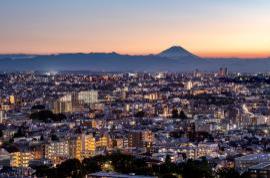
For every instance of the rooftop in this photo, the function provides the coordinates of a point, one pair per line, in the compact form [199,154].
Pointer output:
[252,157]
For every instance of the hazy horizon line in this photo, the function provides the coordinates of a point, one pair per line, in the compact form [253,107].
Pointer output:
[209,55]
[136,54]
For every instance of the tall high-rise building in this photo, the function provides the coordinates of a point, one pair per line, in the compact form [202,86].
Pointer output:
[74,102]
[88,144]
[223,72]
[75,147]
[62,106]
[88,97]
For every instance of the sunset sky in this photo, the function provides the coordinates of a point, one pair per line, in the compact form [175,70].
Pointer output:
[221,28]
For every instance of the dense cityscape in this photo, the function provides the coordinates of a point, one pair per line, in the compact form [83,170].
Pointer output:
[134,124]
[134,89]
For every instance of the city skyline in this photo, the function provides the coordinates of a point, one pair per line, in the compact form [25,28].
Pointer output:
[135,89]
[207,28]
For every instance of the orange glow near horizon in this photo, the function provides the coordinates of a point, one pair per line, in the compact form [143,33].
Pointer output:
[235,55]
[216,54]
[206,28]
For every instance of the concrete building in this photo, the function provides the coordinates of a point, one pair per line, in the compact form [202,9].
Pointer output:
[57,150]
[21,159]
[88,97]
[243,163]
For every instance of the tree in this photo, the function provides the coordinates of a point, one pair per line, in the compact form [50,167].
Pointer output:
[41,171]
[47,116]
[182,115]
[38,107]
[11,148]
[54,137]
[196,169]
[90,166]
[168,176]
[200,136]
[245,175]
[140,114]
[59,117]
[168,159]
[1,133]
[20,133]
[228,173]
[70,168]
[43,115]
[175,113]
[42,138]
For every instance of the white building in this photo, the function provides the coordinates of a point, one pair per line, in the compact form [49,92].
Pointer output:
[57,149]
[188,85]
[88,97]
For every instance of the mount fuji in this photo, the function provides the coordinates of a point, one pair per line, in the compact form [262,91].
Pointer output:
[177,52]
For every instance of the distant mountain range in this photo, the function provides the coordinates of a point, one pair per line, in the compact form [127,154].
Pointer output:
[174,59]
